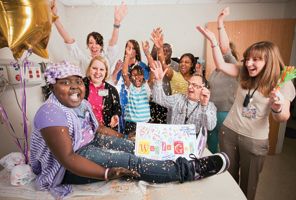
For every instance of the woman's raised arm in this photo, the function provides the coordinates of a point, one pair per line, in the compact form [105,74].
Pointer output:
[227,68]
[62,31]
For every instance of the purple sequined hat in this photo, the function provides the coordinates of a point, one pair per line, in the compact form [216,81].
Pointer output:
[60,70]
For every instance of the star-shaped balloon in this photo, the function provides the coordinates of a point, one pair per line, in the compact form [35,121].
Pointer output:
[24,25]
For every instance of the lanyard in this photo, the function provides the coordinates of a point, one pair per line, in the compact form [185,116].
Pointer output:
[249,97]
[187,116]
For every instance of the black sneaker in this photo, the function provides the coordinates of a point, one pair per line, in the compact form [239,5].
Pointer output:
[210,165]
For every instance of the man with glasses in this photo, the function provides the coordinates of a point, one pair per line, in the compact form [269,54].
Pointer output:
[193,107]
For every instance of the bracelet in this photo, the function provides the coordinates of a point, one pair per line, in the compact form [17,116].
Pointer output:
[116,25]
[106,174]
[214,45]
[276,112]
[219,28]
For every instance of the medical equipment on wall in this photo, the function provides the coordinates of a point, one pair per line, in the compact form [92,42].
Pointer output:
[31,74]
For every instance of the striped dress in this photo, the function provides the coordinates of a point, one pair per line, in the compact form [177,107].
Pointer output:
[49,171]
[138,109]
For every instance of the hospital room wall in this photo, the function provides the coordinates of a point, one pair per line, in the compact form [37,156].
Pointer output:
[177,21]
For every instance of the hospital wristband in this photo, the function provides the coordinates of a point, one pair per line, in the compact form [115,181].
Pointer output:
[106,174]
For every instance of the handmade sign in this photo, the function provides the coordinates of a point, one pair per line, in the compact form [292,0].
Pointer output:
[165,141]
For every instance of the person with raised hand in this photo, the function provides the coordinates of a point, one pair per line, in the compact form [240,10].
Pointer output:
[137,107]
[223,87]
[245,131]
[178,80]
[94,41]
[193,107]
[135,58]
[68,148]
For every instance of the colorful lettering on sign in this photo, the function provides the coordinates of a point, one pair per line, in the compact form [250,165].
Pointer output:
[157,150]
[169,147]
[144,147]
[179,147]
[163,145]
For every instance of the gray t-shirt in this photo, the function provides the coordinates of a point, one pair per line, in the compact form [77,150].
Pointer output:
[166,83]
[223,87]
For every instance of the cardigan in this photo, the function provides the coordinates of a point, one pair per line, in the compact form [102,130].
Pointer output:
[111,102]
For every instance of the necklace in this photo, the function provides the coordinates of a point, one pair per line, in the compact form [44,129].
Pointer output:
[187,116]
[249,97]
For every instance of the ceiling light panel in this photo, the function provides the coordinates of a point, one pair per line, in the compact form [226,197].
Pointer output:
[77,2]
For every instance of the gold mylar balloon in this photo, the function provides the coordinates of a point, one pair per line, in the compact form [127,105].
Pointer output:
[25,24]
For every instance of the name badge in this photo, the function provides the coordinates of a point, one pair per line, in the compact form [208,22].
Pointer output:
[103,93]
[249,112]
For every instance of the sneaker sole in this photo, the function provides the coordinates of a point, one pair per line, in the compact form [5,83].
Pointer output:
[226,162]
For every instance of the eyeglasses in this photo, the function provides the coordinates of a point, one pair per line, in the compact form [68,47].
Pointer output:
[194,85]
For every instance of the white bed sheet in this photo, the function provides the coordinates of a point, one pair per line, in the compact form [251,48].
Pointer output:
[222,187]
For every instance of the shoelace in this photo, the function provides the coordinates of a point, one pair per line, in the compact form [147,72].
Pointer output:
[201,165]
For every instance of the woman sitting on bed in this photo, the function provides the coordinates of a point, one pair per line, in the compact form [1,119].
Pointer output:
[66,147]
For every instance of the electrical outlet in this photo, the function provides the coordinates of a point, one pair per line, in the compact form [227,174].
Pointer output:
[3,76]
[14,74]
[32,74]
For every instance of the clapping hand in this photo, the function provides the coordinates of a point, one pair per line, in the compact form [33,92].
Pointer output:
[208,34]
[53,7]
[119,13]
[204,96]
[157,37]
[145,46]
[158,71]
[118,65]
[225,12]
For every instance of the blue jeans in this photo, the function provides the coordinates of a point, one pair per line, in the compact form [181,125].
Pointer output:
[155,171]
[213,136]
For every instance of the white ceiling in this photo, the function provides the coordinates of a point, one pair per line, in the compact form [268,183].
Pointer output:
[158,2]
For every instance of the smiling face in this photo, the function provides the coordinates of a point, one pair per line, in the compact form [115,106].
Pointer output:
[195,86]
[129,46]
[254,65]
[94,47]
[69,91]
[261,67]
[97,72]
[185,65]
[137,76]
